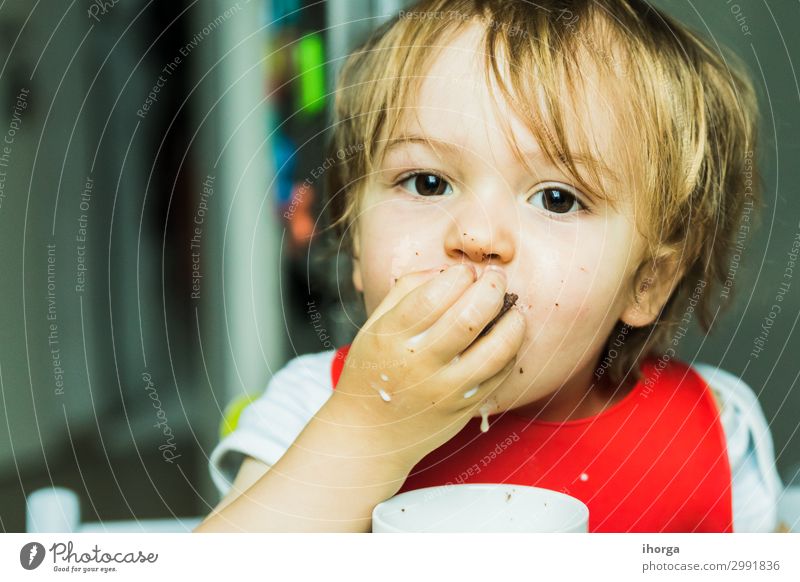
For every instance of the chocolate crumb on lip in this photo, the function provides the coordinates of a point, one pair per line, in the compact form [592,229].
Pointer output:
[509,300]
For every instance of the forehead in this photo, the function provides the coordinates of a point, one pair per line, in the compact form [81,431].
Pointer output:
[457,102]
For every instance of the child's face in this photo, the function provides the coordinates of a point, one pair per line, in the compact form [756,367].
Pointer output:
[571,267]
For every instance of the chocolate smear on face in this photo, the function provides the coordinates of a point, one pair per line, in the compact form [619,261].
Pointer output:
[509,300]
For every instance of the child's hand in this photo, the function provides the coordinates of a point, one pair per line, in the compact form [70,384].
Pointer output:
[402,376]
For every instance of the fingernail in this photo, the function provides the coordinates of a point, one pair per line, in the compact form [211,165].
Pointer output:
[470,268]
[496,269]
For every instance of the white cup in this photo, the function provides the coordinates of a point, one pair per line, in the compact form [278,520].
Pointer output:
[481,507]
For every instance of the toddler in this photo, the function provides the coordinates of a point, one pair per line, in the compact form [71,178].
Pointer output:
[587,162]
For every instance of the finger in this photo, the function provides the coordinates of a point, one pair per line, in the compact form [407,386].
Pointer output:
[491,353]
[423,301]
[471,396]
[463,322]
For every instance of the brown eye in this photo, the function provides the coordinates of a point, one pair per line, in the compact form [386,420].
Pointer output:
[426,184]
[556,200]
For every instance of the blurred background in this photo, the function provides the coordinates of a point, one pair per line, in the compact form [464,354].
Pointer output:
[158,205]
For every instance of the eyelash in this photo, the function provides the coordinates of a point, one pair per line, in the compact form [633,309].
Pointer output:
[541,189]
[581,207]
[406,177]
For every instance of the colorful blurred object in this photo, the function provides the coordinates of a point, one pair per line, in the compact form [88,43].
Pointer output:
[309,58]
[283,152]
[299,214]
[284,12]
[234,409]
[294,61]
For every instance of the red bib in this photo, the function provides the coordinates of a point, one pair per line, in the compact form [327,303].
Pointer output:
[654,462]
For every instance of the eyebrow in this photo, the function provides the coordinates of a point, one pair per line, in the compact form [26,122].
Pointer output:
[424,141]
[447,145]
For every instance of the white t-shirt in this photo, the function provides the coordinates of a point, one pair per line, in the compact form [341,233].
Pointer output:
[270,424]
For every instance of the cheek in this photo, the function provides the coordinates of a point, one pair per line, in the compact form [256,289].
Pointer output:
[574,281]
[394,242]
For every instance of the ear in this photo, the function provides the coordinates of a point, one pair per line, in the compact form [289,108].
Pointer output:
[656,279]
[358,282]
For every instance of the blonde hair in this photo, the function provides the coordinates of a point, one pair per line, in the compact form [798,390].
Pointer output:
[695,113]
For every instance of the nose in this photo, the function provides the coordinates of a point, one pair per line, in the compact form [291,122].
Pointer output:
[481,234]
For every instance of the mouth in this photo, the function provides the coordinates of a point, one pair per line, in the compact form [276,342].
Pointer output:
[509,300]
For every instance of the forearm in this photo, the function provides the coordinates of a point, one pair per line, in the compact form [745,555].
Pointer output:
[329,480]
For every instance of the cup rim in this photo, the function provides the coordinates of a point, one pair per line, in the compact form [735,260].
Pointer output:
[581,514]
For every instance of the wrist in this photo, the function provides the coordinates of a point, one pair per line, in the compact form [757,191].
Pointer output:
[355,432]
